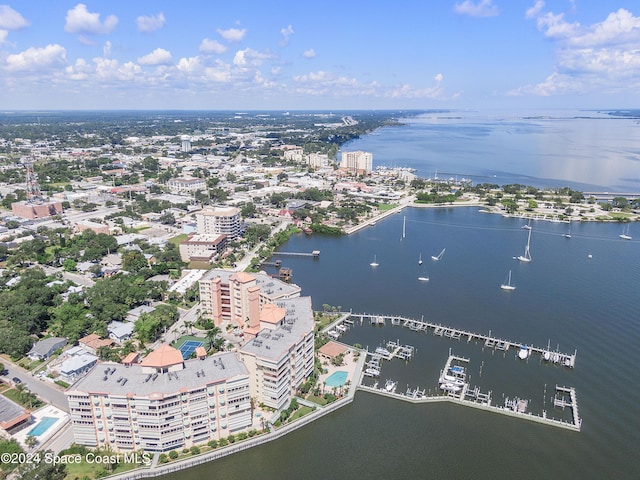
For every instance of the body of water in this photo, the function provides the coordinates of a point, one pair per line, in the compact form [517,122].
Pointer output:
[582,149]
[564,298]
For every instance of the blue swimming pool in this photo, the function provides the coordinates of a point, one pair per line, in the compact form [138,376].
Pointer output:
[336,379]
[42,426]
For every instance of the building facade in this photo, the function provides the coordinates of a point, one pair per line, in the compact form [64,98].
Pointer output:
[219,220]
[163,403]
[202,247]
[237,297]
[186,185]
[358,162]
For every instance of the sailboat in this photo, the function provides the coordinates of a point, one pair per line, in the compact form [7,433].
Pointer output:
[568,234]
[375,261]
[423,278]
[439,256]
[420,259]
[508,286]
[404,227]
[527,226]
[625,233]
[527,255]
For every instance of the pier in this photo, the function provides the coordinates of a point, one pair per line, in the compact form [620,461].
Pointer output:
[565,359]
[314,254]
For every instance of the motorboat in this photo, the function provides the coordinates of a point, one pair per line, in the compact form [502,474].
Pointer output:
[523,353]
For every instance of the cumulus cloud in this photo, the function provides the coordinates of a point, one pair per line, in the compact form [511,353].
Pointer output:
[190,65]
[249,58]
[535,10]
[232,34]
[108,70]
[34,59]
[82,22]
[604,56]
[484,8]
[159,56]
[212,46]
[106,49]
[309,53]
[10,19]
[286,33]
[151,23]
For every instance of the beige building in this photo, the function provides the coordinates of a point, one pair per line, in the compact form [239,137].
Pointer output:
[202,247]
[279,353]
[237,297]
[186,185]
[219,220]
[36,210]
[161,404]
[358,162]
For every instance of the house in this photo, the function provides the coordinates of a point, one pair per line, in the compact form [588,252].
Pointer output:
[93,342]
[45,348]
[134,313]
[75,366]
[120,331]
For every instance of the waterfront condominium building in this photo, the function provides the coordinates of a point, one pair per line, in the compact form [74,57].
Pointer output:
[219,220]
[358,162]
[161,404]
[279,351]
[238,297]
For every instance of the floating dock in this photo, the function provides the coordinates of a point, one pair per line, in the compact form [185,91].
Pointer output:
[315,254]
[565,359]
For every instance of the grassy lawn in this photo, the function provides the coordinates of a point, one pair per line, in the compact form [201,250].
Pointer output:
[620,215]
[13,394]
[301,412]
[80,470]
[180,238]
[324,319]
[383,207]
[319,400]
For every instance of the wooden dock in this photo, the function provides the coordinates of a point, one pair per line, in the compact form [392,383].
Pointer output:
[565,359]
[315,254]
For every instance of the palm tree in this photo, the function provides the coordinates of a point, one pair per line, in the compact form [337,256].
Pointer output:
[212,334]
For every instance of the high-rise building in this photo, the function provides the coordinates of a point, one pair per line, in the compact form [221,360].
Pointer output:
[358,162]
[217,220]
[161,404]
[185,143]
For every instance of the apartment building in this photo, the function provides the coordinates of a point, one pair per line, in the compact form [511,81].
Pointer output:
[202,247]
[279,353]
[238,297]
[358,162]
[186,185]
[161,404]
[219,220]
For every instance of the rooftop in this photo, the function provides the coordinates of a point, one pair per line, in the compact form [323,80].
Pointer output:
[163,356]
[116,379]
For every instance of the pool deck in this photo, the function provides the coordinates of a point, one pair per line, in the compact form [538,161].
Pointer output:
[348,366]
[47,411]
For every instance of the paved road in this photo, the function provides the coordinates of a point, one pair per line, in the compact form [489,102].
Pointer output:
[47,391]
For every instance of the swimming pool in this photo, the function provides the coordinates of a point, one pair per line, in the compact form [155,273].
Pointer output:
[336,379]
[42,426]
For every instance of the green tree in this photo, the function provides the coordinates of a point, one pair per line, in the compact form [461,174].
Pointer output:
[134,261]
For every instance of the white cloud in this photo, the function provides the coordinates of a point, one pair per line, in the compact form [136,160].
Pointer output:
[34,59]
[150,23]
[81,70]
[286,33]
[309,53]
[484,8]
[190,65]
[107,70]
[3,36]
[159,56]
[80,21]
[106,50]
[535,10]
[10,19]
[212,46]
[219,74]
[232,34]
[603,57]
[249,58]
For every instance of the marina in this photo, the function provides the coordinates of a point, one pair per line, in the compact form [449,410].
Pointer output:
[565,359]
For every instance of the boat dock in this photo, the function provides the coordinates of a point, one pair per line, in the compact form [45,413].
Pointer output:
[565,359]
[560,400]
[315,254]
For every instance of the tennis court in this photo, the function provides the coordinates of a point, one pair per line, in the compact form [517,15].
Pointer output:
[188,347]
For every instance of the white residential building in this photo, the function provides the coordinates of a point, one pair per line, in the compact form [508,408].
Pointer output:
[186,185]
[219,220]
[163,403]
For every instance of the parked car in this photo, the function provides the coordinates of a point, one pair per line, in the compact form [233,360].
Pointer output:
[16,380]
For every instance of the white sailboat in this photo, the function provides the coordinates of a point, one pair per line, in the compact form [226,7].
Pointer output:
[625,233]
[420,259]
[527,255]
[527,226]
[439,256]
[375,261]
[404,227]
[424,277]
[568,234]
[508,286]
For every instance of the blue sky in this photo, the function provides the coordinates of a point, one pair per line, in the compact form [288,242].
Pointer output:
[292,54]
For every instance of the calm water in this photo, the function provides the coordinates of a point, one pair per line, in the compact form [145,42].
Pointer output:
[563,298]
[584,150]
